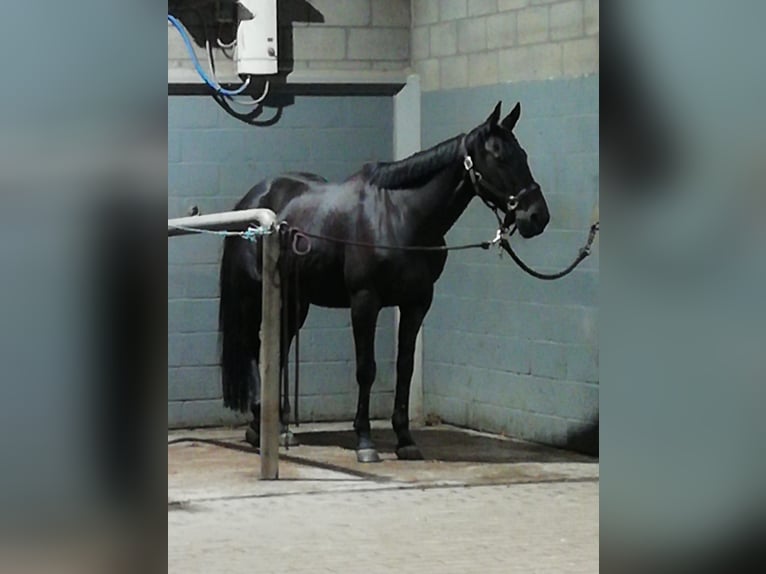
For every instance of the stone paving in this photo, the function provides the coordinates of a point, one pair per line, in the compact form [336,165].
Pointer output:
[315,520]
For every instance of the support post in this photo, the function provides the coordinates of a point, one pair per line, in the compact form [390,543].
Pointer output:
[270,320]
[407,142]
[269,360]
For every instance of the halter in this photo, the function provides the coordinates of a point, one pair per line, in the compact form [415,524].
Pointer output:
[480,184]
[506,227]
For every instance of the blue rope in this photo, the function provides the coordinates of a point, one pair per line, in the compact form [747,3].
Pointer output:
[252,233]
[173,20]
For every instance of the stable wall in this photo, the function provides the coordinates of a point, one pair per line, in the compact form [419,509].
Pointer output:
[505,352]
[213,160]
[321,38]
[462,43]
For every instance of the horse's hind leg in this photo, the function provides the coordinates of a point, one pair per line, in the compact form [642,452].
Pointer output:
[286,437]
[409,324]
[253,434]
[365,306]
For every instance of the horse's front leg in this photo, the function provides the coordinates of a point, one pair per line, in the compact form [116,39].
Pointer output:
[409,324]
[365,306]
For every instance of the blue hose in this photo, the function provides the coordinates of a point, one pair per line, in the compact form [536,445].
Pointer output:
[173,20]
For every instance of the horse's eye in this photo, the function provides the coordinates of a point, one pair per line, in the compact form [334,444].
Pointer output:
[493,146]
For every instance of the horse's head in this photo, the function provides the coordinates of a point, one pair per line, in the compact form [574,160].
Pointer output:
[504,179]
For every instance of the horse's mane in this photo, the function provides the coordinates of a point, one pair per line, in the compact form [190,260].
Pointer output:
[418,167]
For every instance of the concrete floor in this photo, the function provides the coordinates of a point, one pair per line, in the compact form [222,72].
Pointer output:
[479,503]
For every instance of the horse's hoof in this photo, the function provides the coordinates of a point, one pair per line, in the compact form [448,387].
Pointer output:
[253,437]
[367,455]
[288,439]
[409,452]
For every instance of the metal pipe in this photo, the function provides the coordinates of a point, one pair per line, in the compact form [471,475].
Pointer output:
[227,220]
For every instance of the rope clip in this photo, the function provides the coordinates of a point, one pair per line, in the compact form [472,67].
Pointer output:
[253,232]
[502,234]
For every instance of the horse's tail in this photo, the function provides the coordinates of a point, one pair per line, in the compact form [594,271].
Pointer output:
[239,320]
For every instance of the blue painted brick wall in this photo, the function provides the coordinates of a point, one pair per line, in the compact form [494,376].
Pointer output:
[212,161]
[505,352]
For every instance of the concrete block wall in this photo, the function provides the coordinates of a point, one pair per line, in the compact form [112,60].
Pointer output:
[504,352]
[212,161]
[462,43]
[326,35]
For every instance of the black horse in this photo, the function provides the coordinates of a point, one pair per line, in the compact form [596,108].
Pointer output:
[412,202]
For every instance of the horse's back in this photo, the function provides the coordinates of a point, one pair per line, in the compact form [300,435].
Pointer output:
[351,211]
[277,192]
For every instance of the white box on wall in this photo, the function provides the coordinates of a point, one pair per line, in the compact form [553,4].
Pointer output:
[257,37]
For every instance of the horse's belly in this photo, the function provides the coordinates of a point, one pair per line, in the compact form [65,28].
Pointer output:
[327,291]
[397,281]
[331,300]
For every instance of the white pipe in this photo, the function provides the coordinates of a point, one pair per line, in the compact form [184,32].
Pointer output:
[227,220]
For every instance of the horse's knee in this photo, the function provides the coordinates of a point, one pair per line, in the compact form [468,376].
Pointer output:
[365,372]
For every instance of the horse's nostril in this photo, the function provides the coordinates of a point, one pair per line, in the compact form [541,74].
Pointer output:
[534,217]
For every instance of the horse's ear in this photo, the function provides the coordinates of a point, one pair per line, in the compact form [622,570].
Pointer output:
[510,120]
[494,117]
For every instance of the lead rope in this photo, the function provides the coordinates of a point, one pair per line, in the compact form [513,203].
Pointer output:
[296,291]
[584,252]
[285,333]
[502,238]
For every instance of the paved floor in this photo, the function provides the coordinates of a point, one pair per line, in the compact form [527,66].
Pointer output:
[432,516]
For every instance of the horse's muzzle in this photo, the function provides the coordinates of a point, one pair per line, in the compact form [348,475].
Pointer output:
[532,219]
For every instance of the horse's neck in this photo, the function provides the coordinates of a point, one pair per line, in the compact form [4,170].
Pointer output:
[438,204]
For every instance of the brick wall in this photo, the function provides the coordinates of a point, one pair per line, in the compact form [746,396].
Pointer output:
[327,35]
[461,43]
[212,161]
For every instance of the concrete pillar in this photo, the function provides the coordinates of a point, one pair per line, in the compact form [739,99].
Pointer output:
[407,142]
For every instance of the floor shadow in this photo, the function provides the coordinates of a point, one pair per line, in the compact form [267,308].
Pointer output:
[584,441]
[450,445]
